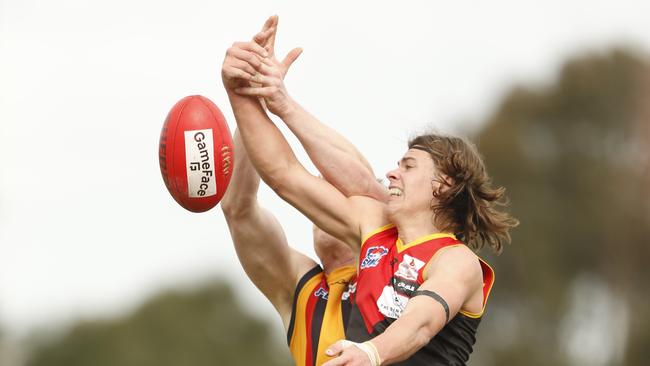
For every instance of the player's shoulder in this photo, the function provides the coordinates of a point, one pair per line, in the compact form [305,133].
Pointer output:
[300,265]
[301,268]
[457,261]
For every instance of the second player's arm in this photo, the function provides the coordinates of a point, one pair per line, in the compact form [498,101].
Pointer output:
[271,264]
[276,163]
[334,156]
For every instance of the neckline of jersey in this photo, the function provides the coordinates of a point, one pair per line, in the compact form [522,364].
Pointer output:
[376,231]
[340,273]
[402,247]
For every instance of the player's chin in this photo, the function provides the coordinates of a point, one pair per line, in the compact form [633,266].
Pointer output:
[394,205]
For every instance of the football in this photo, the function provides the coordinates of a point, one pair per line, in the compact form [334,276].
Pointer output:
[196,153]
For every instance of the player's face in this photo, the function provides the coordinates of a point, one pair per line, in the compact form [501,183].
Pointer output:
[412,184]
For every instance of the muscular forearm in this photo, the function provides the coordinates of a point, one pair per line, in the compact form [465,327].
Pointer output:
[278,167]
[269,152]
[241,196]
[336,158]
[258,238]
[408,333]
[266,257]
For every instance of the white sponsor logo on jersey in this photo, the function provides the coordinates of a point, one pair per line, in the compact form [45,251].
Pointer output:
[409,268]
[390,303]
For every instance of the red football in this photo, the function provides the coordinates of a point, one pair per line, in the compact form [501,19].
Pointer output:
[195,153]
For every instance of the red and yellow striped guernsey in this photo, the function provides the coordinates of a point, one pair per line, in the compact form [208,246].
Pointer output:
[389,274]
[320,313]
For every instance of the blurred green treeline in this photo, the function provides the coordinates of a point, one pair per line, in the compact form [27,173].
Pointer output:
[199,327]
[572,288]
[574,155]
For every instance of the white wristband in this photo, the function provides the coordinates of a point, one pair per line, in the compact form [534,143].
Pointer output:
[368,348]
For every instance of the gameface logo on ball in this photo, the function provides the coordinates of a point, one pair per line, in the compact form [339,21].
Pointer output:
[393,299]
[373,255]
[200,163]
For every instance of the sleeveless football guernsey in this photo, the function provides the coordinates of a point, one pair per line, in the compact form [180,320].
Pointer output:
[320,313]
[389,273]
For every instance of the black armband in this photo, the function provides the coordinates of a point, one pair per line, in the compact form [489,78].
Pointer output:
[436,297]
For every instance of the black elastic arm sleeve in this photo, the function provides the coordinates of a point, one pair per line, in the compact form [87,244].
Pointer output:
[436,297]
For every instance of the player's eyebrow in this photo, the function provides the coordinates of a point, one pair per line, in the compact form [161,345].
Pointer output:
[406,159]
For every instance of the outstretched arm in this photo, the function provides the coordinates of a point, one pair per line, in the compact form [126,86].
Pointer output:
[273,158]
[335,157]
[259,240]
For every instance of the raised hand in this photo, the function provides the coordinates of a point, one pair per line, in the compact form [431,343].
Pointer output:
[237,69]
[266,38]
[268,83]
[239,65]
[242,58]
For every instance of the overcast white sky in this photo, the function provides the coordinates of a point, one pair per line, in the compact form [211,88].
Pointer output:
[86,224]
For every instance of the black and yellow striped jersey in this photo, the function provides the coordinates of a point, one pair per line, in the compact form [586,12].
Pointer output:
[320,313]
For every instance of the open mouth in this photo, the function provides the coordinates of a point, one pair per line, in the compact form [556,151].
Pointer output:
[394,191]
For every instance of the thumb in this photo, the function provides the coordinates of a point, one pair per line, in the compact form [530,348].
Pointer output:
[337,348]
[291,57]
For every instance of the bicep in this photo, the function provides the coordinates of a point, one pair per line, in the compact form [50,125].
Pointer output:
[454,275]
[437,301]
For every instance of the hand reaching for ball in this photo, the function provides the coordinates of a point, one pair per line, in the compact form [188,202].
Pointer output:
[251,68]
